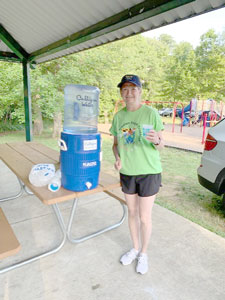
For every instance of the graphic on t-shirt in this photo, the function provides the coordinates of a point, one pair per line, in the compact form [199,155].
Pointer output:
[128,135]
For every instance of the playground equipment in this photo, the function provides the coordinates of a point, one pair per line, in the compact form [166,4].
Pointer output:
[188,112]
[211,117]
[213,109]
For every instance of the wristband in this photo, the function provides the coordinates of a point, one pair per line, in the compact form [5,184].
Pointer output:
[157,144]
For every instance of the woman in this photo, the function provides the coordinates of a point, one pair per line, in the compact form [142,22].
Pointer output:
[138,161]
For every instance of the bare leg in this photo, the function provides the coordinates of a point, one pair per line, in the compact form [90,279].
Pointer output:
[145,212]
[133,218]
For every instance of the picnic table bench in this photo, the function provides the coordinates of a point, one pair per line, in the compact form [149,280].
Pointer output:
[9,244]
[20,157]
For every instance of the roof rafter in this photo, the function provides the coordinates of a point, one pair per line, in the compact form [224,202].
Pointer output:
[8,56]
[6,37]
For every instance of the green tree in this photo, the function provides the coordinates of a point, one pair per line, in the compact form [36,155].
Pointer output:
[180,82]
[211,65]
[11,98]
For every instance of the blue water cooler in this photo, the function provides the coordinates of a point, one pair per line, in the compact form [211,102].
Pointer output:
[80,143]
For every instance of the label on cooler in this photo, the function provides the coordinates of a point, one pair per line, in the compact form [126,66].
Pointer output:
[89,164]
[90,145]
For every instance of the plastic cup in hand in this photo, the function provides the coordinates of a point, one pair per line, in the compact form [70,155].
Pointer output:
[146,128]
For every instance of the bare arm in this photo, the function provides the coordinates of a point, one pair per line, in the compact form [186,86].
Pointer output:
[118,164]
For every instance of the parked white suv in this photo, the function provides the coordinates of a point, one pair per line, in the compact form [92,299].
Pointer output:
[211,172]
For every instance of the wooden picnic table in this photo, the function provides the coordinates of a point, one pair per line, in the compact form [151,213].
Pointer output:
[20,157]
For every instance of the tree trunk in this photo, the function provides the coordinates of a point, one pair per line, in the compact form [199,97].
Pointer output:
[57,126]
[38,122]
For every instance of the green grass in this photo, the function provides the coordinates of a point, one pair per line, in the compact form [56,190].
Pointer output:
[184,195]
[181,192]
[19,136]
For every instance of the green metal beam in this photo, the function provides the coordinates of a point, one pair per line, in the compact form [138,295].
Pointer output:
[8,56]
[12,44]
[27,101]
[137,13]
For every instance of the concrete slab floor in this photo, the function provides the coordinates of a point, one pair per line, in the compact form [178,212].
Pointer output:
[187,262]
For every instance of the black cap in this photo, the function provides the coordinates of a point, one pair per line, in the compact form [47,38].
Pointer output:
[130,78]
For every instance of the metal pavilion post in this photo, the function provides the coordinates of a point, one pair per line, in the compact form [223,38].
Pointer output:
[20,55]
[27,100]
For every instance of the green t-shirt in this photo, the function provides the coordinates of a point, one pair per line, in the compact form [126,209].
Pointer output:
[138,155]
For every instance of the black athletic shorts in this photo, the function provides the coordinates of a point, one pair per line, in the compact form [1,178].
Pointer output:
[143,185]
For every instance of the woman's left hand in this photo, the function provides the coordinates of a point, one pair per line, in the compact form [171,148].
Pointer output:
[152,136]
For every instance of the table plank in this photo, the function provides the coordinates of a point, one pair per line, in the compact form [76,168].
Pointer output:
[117,194]
[16,162]
[108,181]
[32,153]
[48,197]
[49,152]
[20,157]
[21,166]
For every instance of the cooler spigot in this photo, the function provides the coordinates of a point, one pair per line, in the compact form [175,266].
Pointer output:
[88,185]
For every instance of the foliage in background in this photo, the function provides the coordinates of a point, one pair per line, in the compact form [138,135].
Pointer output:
[10,91]
[210,60]
[169,71]
[180,81]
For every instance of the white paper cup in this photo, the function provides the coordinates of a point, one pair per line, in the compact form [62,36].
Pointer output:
[146,128]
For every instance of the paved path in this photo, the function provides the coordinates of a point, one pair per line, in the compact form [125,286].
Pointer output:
[190,138]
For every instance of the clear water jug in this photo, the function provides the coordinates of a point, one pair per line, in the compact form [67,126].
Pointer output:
[81,109]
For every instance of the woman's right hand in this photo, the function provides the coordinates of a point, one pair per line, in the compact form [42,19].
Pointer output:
[118,164]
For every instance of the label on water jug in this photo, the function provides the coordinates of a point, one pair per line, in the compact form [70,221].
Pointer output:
[86,100]
[90,145]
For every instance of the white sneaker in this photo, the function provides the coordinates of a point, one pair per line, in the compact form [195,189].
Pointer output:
[142,264]
[129,257]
